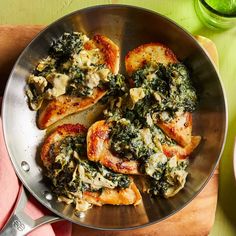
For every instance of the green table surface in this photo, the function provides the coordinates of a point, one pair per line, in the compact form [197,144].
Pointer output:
[181,11]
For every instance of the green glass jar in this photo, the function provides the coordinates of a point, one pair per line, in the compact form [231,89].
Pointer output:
[217,14]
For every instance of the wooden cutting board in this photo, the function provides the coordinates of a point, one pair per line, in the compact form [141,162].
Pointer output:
[196,219]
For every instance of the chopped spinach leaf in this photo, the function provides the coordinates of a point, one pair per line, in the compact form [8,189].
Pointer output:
[126,141]
[65,46]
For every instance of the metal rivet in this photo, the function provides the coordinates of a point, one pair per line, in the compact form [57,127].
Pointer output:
[80,214]
[25,166]
[48,195]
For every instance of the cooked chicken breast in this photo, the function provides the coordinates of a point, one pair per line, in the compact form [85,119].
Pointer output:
[148,53]
[127,196]
[181,152]
[56,136]
[179,129]
[64,105]
[113,196]
[98,150]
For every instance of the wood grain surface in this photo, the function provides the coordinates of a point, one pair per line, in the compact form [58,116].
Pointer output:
[196,219]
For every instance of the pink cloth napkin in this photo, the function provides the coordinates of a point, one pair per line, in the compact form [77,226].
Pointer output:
[9,188]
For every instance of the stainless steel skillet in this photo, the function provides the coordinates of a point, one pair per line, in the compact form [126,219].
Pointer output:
[128,27]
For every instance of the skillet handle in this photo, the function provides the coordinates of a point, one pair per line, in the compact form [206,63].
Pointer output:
[20,223]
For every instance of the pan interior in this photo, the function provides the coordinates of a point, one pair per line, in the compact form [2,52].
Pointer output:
[128,27]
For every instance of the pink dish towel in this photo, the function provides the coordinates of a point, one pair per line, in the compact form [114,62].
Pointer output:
[9,188]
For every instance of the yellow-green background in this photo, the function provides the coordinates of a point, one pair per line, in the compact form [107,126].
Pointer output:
[181,11]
